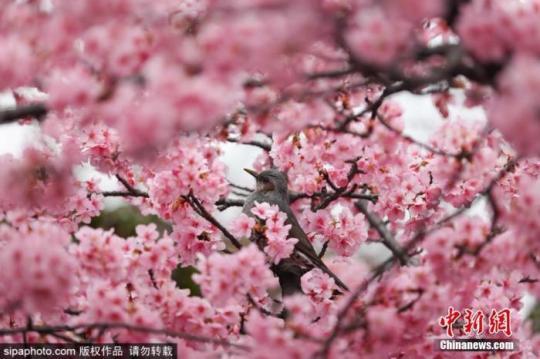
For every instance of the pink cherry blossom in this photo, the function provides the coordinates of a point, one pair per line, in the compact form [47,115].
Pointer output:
[264,210]
[16,52]
[278,249]
[502,27]
[271,338]
[100,253]
[245,273]
[344,231]
[376,40]
[513,111]
[75,87]
[242,225]
[46,274]
[415,10]
[276,231]
[317,285]
[407,129]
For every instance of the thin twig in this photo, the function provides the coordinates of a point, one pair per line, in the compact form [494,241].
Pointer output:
[423,145]
[323,249]
[111,326]
[224,203]
[134,191]
[410,305]
[265,146]
[199,208]
[124,194]
[331,73]
[420,235]
[243,188]
[386,236]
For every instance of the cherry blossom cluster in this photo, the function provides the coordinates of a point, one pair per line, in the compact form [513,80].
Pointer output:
[237,278]
[42,182]
[345,231]
[514,110]
[39,275]
[492,29]
[277,245]
[102,278]
[190,165]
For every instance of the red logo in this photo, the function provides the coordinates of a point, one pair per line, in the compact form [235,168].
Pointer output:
[472,322]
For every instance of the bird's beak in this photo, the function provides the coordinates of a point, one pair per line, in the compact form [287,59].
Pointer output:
[251,172]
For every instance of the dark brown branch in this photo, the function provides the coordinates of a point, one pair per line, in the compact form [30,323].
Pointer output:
[425,146]
[331,73]
[372,107]
[51,330]
[224,203]
[416,239]
[294,196]
[528,280]
[265,146]
[130,190]
[152,278]
[74,312]
[386,236]
[452,11]
[124,194]
[494,231]
[329,197]
[323,249]
[199,208]
[419,293]
[344,130]
[265,312]
[35,110]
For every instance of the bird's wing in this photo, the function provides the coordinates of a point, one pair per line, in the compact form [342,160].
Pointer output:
[296,231]
[305,247]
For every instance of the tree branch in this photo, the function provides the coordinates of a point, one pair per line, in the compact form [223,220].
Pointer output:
[425,146]
[224,203]
[199,208]
[419,293]
[386,237]
[331,73]
[35,110]
[416,239]
[124,194]
[53,330]
[130,190]
[265,146]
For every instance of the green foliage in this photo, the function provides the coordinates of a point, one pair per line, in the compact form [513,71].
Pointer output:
[183,276]
[535,317]
[124,220]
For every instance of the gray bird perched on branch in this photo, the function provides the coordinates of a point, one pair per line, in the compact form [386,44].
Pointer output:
[272,188]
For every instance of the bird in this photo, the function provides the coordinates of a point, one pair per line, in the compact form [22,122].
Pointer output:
[272,188]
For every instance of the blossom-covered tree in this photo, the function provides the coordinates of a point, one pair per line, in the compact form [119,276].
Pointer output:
[149,91]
